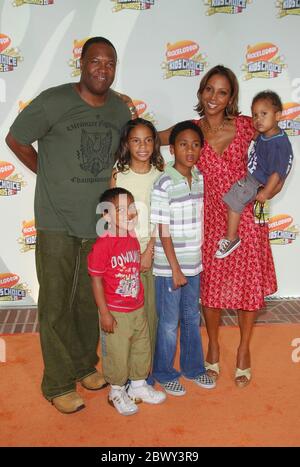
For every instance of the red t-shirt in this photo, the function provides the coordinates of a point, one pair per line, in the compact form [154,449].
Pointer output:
[117,261]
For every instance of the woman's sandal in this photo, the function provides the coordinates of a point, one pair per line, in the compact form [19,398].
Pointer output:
[239,373]
[213,369]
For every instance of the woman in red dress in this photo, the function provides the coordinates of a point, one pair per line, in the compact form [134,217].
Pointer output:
[244,278]
[241,280]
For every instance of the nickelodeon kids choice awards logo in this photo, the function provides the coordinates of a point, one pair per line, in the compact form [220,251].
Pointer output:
[226,6]
[290,118]
[10,183]
[28,238]
[281,230]
[263,61]
[32,2]
[132,5]
[9,56]
[141,108]
[75,61]
[183,59]
[11,289]
[288,7]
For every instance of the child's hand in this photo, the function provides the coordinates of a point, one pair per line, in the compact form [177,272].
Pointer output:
[130,104]
[146,260]
[179,278]
[262,196]
[107,322]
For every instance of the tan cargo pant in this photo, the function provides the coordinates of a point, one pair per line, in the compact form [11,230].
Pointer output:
[126,353]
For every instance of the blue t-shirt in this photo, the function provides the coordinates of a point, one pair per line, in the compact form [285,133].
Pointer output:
[269,155]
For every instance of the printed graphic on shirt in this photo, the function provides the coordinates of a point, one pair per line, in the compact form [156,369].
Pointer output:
[290,119]
[132,5]
[252,157]
[288,7]
[95,149]
[263,61]
[226,6]
[129,283]
[283,165]
[9,56]
[141,108]
[11,289]
[74,62]
[28,238]
[32,2]
[10,183]
[183,59]
[95,152]
[128,276]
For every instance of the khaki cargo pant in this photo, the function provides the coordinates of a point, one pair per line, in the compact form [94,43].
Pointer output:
[126,353]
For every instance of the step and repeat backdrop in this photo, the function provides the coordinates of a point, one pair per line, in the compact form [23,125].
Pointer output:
[164,48]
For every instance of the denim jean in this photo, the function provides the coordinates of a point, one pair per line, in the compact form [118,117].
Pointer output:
[68,317]
[173,306]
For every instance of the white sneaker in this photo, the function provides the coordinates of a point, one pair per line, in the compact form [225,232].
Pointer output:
[119,399]
[146,393]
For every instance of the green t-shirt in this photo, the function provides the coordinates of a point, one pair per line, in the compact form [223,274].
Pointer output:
[76,147]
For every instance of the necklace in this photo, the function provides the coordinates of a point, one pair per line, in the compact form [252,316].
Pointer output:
[213,129]
[139,172]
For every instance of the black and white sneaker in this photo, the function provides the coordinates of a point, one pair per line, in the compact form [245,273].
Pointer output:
[174,388]
[226,247]
[205,381]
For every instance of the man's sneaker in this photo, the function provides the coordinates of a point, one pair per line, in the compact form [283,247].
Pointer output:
[204,381]
[174,388]
[119,399]
[145,393]
[226,247]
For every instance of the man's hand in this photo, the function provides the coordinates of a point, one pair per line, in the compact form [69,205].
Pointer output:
[128,101]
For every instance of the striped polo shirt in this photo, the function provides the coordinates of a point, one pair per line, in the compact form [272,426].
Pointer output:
[174,203]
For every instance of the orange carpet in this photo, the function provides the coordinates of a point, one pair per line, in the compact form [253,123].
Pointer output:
[266,413]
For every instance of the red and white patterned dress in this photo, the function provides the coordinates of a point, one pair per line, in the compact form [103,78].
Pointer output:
[244,278]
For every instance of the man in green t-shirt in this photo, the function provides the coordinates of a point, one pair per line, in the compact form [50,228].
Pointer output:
[77,128]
